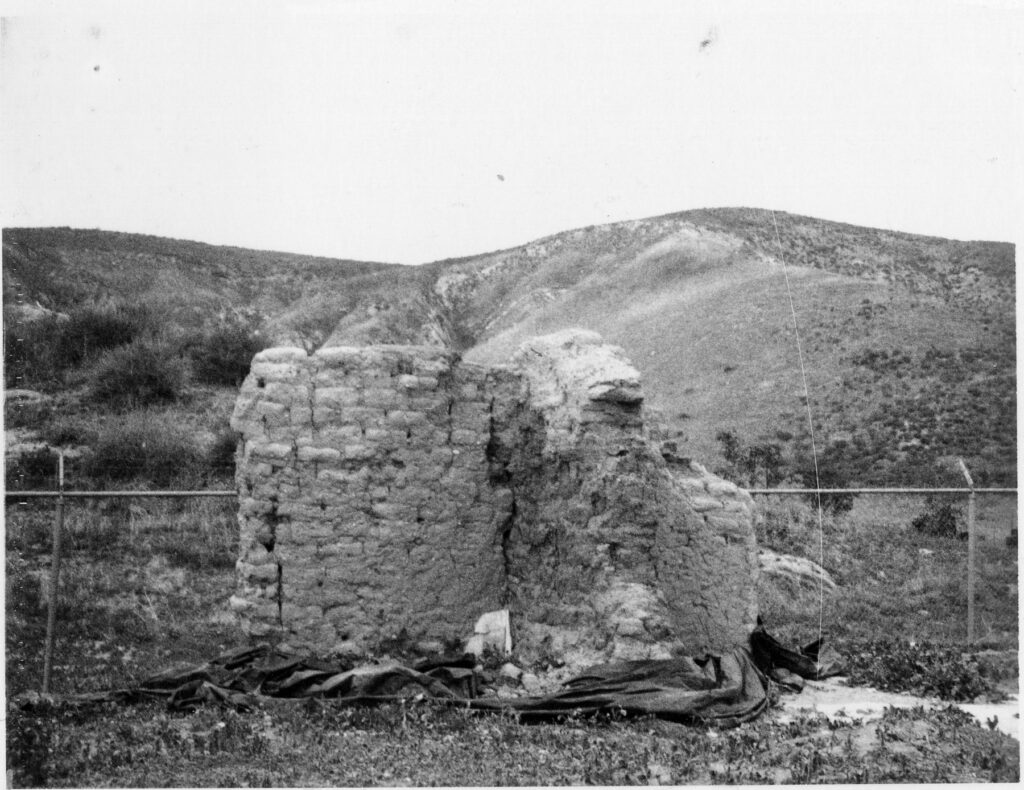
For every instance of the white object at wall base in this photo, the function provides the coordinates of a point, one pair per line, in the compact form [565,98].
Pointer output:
[493,631]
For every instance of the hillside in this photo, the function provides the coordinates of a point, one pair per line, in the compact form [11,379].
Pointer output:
[59,268]
[909,341]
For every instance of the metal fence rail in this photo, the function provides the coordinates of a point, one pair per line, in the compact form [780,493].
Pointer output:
[60,494]
[915,491]
[225,492]
[117,494]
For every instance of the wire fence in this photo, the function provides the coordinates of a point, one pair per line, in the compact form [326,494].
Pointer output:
[990,527]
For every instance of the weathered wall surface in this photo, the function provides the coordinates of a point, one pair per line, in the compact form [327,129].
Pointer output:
[366,507]
[613,553]
[393,492]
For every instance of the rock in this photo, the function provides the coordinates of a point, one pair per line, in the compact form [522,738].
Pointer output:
[31,312]
[346,649]
[511,671]
[797,569]
[17,397]
[531,683]
[429,647]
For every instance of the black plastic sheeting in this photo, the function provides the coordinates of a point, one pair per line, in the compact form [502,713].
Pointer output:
[723,690]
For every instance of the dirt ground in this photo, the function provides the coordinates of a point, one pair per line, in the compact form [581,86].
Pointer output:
[836,700]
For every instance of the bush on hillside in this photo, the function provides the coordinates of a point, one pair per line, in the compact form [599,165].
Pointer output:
[34,469]
[835,504]
[27,413]
[224,353]
[64,431]
[787,525]
[31,353]
[93,328]
[751,465]
[939,517]
[38,352]
[221,455]
[144,372]
[145,449]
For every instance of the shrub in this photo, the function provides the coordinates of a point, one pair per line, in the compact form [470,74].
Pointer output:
[939,517]
[144,372]
[38,352]
[64,431]
[147,449]
[221,455]
[745,463]
[788,525]
[32,469]
[30,352]
[826,478]
[223,354]
[93,328]
[26,413]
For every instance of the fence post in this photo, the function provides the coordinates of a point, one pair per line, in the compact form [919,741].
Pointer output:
[971,549]
[51,612]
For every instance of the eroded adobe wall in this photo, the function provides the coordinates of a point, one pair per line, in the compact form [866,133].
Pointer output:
[366,509]
[615,553]
[395,492]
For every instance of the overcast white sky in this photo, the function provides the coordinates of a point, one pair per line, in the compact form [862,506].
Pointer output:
[410,132]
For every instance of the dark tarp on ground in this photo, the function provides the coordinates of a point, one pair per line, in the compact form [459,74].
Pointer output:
[723,690]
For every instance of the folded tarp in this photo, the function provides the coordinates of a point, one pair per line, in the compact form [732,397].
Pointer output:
[790,667]
[723,690]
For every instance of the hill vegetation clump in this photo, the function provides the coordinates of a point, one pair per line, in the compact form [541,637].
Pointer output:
[37,352]
[141,373]
[144,447]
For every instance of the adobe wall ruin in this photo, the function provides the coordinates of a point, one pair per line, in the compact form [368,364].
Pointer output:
[394,492]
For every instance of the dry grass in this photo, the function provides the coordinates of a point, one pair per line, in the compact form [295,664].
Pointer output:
[891,579]
[144,583]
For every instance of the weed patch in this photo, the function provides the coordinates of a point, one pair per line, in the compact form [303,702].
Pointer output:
[416,744]
[223,353]
[922,668]
[31,469]
[939,517]
[144,448]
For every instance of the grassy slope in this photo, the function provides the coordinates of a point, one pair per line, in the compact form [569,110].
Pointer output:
[301,296]
[706,318]
[698,300]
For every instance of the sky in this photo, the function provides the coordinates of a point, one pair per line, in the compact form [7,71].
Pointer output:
[410,132]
